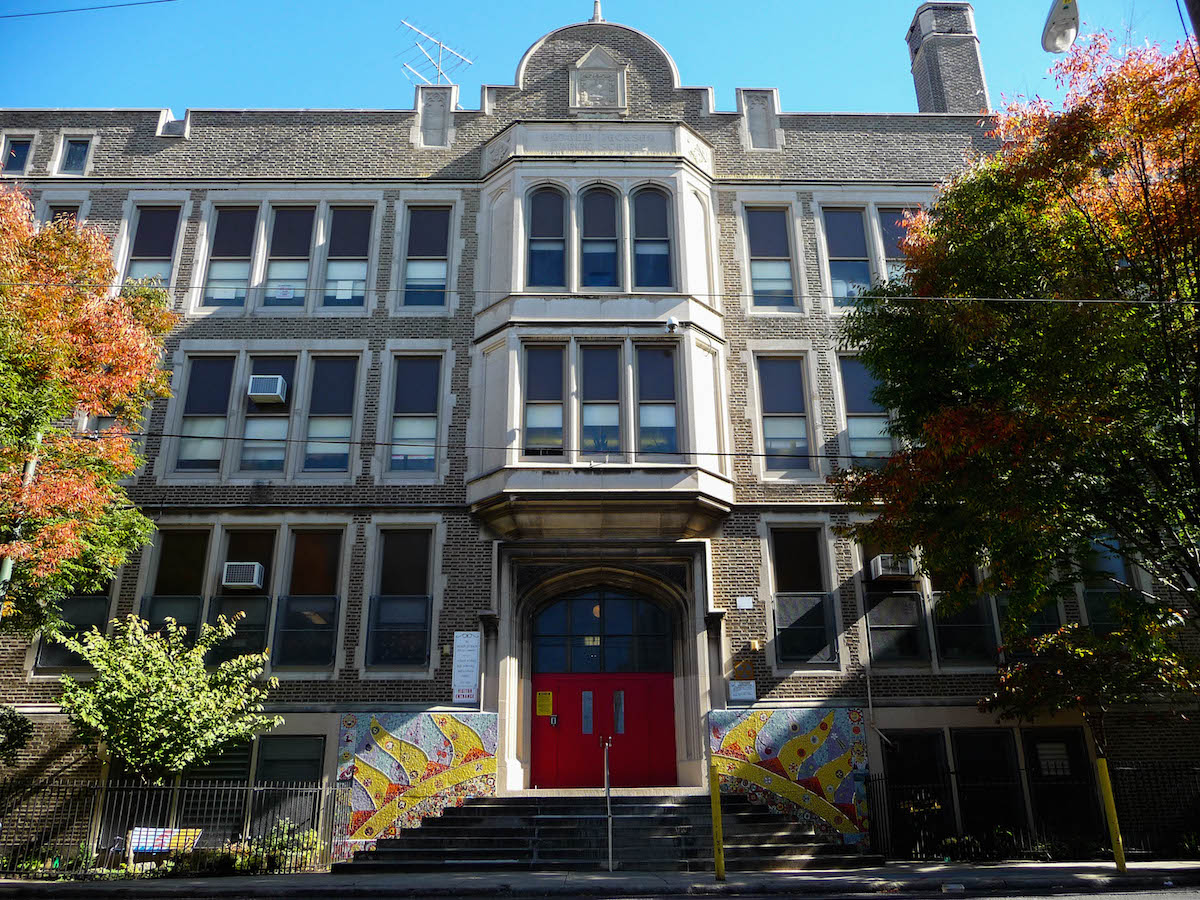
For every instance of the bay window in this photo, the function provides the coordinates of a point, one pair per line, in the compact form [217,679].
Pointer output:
[547,239]
[600,394]
[544,401]
[651,239]
[657,433]
[598,254]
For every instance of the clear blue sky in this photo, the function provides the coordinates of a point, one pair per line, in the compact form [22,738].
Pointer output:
[835,55]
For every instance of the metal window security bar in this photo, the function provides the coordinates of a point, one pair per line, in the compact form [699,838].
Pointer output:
[82,828]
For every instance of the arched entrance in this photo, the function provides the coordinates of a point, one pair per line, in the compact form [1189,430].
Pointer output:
[602,669]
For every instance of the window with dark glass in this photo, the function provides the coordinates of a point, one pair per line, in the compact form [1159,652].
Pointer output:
[306,624]
[179,580]
[651,239]
[330,414]
[547,239]
[153,242]
[657,433]
[1043,620]
[229,263]
[543,401]
[218,812]
[16,155]
[1106,575]
[770,257]
[291,245]
[849,262]
[805,630]
[202,431]
[65,211]
[866,420]
[965,635]
[290,759]
[80,613]
[785,422]
[398,633]
[74,156]
[598,255]
[601,399]
[415,413]
[249,546]
[427,261]
[264,440]
[895,619]
[349,250]
[891,225]
[602,631]
[989,783]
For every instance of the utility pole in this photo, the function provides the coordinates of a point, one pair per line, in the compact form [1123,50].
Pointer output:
[1193,8]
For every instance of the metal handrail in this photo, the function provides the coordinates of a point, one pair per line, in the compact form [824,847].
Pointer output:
[608,802]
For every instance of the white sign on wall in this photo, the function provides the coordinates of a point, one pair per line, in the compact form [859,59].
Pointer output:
[465,677]
[742,692]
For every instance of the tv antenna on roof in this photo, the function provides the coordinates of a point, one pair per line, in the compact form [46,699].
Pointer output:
[429,60]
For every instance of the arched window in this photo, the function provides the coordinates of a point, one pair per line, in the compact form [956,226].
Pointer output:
[651,239]
[599,242]
[547,239]
[602,631]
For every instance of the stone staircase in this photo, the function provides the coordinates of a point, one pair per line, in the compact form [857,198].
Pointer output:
[558,833]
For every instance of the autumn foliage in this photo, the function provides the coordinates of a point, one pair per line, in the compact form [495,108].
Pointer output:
[70,347]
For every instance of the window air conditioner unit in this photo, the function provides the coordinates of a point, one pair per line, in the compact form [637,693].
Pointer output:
[242,575]
[893,565]
[267,388]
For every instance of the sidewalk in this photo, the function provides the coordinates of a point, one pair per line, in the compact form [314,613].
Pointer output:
[908,878]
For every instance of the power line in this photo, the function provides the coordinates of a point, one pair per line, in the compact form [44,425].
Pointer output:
[588,295]
[58,12]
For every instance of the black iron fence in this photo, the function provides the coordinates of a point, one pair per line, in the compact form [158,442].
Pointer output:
[125,828]
[1033,816]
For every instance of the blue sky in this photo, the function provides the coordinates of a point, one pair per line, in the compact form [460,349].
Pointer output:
[837,55]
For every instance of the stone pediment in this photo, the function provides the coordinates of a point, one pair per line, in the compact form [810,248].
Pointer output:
[598,85]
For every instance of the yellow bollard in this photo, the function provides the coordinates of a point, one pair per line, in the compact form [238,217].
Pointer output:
[1110,813]
[714,790]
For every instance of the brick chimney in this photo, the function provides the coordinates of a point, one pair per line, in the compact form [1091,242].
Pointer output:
[946,67]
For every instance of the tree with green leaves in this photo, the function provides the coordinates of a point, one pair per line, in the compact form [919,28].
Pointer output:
[71,347]
[154,704]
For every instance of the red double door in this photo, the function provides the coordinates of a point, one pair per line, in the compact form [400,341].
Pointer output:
[575,714]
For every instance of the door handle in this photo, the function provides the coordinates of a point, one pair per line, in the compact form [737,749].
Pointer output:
[554,720]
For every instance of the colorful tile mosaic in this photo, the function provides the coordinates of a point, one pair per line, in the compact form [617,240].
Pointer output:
[807,763]
[407,766]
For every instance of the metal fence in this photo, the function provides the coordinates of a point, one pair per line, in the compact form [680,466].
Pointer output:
[55,829]
[953,817]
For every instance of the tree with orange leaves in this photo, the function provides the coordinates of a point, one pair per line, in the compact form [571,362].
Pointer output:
[71,347]
[1035,430]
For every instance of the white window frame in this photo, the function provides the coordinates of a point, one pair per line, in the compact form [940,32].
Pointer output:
[92,136]
[435,525]
[229,471]
[19,134]
[323,201]
[843,417]
[570,237]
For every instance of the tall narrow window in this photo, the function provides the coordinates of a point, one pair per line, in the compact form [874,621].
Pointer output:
[349,248]
[254,601]
[544,401]
[287,269]
[306,624]
[80,614]
[598,256]
[415,413]
[656,400]
[1105,574]
[229,267]
[547,239]
[785,424]
[965,635]
[427,261]
[770,257]
[891,225]
[651,239]
[601,395]
[154,242]
[74,156]
[399,626]
[805,631]
[849,263]
[179,580]
[1041,621]
[202,431]
[866,420]
[895,621]
[330,415]
[268,408]
[16,155]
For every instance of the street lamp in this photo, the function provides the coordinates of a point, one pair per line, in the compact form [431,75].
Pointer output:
[1062,26]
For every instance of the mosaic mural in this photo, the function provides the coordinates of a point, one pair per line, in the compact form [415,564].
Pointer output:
[406,766]
[807,763]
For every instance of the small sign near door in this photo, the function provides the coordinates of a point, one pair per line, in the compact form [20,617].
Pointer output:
[465,677]
[742,692]
[545,703]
